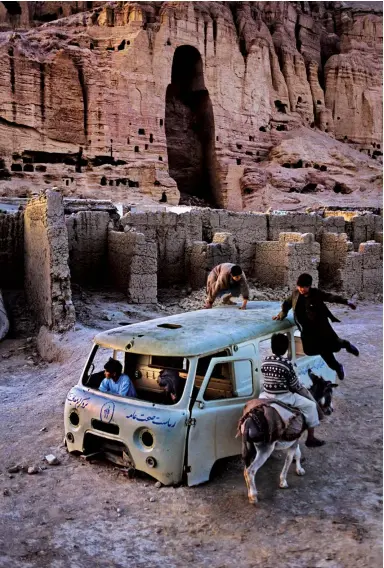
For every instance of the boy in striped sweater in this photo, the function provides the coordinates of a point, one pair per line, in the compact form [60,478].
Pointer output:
[281,382]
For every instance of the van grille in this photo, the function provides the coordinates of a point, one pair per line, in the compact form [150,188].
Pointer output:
[105,426]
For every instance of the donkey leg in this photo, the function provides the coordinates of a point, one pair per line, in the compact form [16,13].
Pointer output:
[263,453]
[299,470]
[288,460]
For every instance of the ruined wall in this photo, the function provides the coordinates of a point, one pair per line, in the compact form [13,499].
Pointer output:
[372,254]
[88,243]
[279,263]
[92,102]
[47,278]
[133,265]
[171,233]
[11,250]
[348,271]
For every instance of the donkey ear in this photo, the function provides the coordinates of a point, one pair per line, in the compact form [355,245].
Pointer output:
[312,376]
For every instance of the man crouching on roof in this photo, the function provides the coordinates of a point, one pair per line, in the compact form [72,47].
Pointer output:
[227,280]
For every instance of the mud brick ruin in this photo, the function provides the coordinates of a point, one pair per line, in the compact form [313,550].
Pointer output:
[51,243]
[47,277]
[281,261]
[248,113]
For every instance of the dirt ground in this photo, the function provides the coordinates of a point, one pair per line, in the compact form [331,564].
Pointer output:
[81,514]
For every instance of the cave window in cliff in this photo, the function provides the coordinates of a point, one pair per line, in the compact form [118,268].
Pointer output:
[13,8]
[189,127]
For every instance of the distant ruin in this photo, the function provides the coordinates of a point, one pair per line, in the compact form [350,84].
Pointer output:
[88,243]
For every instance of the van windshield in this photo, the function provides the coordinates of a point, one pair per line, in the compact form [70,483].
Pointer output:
[154,378]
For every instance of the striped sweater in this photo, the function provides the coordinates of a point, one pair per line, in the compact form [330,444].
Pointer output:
[279,375]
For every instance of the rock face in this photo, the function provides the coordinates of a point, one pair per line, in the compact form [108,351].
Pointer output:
[142,101]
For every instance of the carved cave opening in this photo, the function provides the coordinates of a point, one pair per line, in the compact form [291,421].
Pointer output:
[190,128]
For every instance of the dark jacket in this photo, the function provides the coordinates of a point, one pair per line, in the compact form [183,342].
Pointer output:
[317,335]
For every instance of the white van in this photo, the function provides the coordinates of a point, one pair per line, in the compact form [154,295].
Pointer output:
[217,352]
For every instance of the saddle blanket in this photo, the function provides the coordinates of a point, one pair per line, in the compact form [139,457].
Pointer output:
[284,413]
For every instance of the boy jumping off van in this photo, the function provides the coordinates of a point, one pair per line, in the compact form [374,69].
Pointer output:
[281,383]
[227,280]
[115,382]
[311,317]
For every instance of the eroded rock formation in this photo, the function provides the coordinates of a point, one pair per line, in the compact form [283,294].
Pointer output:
[141,101]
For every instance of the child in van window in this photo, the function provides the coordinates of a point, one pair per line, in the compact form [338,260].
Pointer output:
[173,385]
[115,382]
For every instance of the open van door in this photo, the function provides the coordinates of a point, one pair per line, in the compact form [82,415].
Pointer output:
[228,385]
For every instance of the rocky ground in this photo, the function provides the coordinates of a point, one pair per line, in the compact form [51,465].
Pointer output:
[80,514]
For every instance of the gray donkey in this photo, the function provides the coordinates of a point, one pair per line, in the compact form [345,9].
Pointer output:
[263,431]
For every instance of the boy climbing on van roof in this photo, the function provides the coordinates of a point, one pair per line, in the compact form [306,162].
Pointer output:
[227,280]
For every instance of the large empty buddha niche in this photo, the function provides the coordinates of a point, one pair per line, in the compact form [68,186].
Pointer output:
[190,128]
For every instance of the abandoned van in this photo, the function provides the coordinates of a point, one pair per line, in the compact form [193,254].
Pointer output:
[216,354]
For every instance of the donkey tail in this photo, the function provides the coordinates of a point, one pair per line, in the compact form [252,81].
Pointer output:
[248,451]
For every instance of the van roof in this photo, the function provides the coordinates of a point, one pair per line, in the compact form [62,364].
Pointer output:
[196,333]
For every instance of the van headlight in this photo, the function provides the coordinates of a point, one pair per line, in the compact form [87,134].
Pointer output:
[144,439]
[74,418]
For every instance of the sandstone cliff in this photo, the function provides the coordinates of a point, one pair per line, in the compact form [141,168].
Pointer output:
[234,103]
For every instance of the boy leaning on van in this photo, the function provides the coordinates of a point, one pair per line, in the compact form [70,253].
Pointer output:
[227,280]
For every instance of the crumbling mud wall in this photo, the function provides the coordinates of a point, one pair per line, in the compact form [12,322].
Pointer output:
[174,232]
[88,243]
[279,263]
[348,271]
[11,250]
[133,266]
[171,233]
[142,251]
[47,277]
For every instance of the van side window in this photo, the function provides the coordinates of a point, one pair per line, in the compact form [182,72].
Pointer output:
[220,384]
[203,362]
[243,378]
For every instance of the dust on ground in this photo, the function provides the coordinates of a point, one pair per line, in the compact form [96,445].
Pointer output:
[80,514]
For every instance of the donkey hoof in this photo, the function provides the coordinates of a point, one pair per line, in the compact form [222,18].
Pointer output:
[300,471]
[253,500]
[283,485]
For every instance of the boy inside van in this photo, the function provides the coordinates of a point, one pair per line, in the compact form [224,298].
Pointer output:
[115,382]
[281,382]
[227,280]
